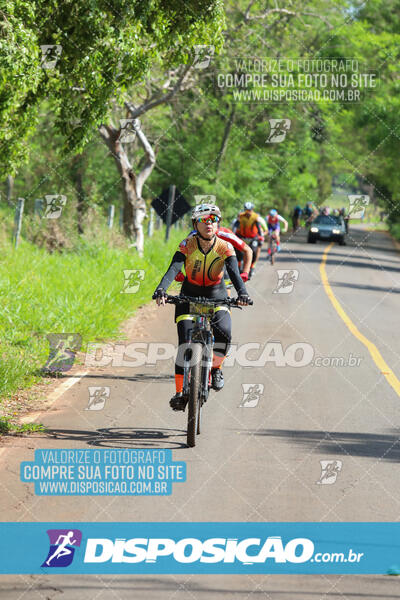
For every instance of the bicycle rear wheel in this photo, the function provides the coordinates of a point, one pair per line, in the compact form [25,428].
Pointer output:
[272,251]
[194,395]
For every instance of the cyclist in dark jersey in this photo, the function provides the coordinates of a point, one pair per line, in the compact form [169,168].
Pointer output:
[203,255]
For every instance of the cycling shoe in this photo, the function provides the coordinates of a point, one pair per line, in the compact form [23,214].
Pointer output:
[178,402]
[217,379]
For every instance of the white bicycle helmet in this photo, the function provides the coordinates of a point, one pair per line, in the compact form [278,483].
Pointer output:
[205,209]
[248,206]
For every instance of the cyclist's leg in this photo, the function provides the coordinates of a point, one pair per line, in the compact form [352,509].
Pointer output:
[270,234]
[221,326]
[184,325]
[259,244]
[277,238]
[254,248]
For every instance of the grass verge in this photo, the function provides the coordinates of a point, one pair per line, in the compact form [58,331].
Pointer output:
[77,291]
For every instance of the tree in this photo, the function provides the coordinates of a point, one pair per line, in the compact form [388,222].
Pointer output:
[81,54]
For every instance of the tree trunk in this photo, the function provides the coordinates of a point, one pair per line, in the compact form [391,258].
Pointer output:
[78,167]
[134,207]
[10,188]
[225,138]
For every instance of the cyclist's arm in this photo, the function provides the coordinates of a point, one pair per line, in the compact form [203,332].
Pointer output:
[234,275]
[178,260]
[283,221]
[235,226]
[240,245]
[259,230]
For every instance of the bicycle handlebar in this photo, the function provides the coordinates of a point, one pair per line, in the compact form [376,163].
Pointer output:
[201,300]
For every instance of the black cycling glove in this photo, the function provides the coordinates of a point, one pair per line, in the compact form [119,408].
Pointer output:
[159,293]
[245,298]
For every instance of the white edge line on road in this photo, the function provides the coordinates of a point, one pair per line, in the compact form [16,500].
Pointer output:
[53,397]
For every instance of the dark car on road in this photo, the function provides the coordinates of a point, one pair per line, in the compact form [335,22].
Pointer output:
[329,228]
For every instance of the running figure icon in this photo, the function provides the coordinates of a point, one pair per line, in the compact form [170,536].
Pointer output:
[63,543]
[62,549]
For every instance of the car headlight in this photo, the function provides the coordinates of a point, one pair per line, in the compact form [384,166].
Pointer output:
[336,231]
[314,229]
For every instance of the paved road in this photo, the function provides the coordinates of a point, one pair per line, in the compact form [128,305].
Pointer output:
[259,463]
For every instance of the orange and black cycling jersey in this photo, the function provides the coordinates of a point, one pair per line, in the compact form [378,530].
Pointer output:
[204,270]
[247,225]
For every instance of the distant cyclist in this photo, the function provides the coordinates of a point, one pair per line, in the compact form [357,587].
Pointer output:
[204,256]
[310,212]
[345,218]
[248,227]
[296,215]
[274,228]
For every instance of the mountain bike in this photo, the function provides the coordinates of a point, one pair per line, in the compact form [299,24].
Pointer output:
[197,360]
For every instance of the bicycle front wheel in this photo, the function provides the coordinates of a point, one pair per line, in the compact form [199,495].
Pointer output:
[194,394]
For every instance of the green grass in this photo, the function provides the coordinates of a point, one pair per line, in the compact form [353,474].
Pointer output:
[78,291]
[7,427]
[395,230]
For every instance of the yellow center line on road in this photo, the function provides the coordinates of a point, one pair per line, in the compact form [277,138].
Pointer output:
[373,350]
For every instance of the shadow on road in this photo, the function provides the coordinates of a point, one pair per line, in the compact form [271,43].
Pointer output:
[332,262]
[144,377]
[372,288]
[122,437]
[372,445]
[319,252]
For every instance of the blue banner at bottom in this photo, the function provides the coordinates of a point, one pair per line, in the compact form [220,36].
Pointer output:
[208,548]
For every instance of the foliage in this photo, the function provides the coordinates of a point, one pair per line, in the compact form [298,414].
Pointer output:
[106,46]
[77,291]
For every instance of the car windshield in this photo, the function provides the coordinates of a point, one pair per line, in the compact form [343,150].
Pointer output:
[327,220]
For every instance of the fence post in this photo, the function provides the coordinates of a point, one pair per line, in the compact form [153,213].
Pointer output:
[158,221]
[18,220]
[150,226]
[171,200]
[111,211]
[38,206]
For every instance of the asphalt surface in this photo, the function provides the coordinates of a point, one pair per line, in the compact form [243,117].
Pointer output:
[259,462]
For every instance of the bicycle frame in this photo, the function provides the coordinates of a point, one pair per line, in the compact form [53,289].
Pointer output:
[201,334]
[200,341]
